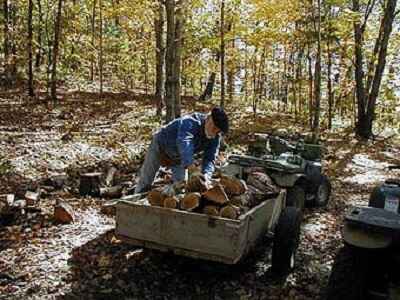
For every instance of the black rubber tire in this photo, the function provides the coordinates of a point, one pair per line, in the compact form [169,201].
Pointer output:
[348,279]
[323,192]
[296,197]
[286,240]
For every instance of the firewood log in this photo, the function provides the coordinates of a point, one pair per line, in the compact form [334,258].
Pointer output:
[211,210]
[262,182]
[241,200]
[232,185]
[230,212]
[171,202]
[216,194]
[190,201]
[155,197]
[111,192]
[196,184]
[63,213]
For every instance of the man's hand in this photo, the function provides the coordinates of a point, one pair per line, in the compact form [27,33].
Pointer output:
[171,190]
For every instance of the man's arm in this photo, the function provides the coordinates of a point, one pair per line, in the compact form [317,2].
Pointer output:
[209,157]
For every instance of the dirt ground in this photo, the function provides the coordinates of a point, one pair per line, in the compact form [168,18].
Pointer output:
[40,259]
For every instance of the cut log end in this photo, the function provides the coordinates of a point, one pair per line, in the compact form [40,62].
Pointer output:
[190,201]
[230,212]
[211,210]
[171,202]
[155,198]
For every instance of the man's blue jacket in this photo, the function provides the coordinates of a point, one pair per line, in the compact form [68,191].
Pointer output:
[183,137]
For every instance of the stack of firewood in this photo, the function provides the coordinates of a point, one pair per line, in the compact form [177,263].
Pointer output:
[226,196]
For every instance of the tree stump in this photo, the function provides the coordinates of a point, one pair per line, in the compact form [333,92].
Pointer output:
[90,184]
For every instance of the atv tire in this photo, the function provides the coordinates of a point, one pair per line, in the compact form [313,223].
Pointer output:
[286,241]
[323,192]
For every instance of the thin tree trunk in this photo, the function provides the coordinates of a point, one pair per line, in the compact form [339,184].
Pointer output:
[310,88]
[7,46]
[170,61]
[57,29]
[30,54]
[160,57]
[330,91]
[179,24]
[317,86]
[222,50]
[92,55]
[39,48]
[101,47]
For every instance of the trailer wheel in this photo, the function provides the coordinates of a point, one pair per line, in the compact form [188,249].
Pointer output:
[323,192]
[286,240]
[296,197]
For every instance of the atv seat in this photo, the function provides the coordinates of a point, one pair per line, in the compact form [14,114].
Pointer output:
[374,218]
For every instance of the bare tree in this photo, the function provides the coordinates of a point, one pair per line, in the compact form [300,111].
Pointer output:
[57,32]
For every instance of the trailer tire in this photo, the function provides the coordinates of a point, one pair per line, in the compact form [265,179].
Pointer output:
[286,240]
[296,197]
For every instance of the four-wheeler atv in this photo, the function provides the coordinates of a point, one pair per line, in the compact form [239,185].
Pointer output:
[367,266]
[294,167]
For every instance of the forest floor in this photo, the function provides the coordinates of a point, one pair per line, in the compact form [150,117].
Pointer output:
[40,259]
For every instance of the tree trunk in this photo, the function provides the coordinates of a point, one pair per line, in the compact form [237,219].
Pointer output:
[330,92]
[367,100]
[39,48]
[222,50]
[30,55]
[179,24]
[310,87]
[92,55]
[160,57]
[101,47]
[388,19]
[7,46]
[170,61]
[208,91]
[57,29]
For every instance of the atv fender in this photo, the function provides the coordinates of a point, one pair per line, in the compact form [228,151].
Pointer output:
[363,238]
[286,180]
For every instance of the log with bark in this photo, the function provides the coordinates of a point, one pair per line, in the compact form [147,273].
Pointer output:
[217,195]
[262,182]
[232,185]
[63,213]
[196,184]
[111,192]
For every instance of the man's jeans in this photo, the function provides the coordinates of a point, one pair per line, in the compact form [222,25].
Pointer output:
[151,166]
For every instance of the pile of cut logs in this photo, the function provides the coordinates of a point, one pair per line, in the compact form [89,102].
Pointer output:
[227,196]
